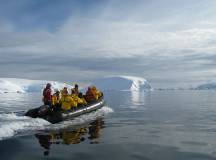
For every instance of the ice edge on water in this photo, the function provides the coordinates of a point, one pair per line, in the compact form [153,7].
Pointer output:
[20,124]
[13,124]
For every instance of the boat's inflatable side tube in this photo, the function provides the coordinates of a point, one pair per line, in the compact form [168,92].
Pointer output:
[83,110]
[58,116]
[32,113]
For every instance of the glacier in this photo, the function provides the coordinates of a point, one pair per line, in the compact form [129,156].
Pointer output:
[122,83]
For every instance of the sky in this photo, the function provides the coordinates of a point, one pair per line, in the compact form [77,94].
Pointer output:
[171,43]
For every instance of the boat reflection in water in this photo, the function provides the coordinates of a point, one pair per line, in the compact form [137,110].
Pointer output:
[68,137]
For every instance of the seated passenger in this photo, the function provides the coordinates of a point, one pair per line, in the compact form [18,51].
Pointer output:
[56,99]
[82,99]
[76,98]
[66,100]
[96,92]
[64,91]
[73,92]
[90,95]
[76,89]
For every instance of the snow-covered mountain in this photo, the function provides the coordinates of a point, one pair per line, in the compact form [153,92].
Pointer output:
[14,85]
[123,83]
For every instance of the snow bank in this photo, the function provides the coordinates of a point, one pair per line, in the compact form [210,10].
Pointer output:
[14,85]
[123,83]
[207,86]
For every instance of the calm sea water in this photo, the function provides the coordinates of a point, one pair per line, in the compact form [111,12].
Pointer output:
[171,125]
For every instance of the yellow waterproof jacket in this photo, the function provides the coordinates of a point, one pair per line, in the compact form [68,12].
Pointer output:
[55,100]
[83,101]
[77,99]
[67,102]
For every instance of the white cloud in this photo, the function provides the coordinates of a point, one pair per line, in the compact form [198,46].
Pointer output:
[150,30]
[139,28]
[86,38]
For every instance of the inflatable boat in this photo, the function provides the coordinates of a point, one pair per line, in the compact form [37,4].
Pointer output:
[60,115]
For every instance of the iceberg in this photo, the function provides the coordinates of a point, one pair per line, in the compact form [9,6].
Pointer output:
[207,86]
[15,85]
[123,83]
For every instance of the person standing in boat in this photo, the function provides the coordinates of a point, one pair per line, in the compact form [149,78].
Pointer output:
[47,95]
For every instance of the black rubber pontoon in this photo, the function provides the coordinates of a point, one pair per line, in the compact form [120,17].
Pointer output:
[58,116]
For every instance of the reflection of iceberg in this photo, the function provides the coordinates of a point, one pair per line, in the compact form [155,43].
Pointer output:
[14,85]
[123,83]
[139,99]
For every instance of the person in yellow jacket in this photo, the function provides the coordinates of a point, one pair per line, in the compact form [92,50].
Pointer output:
[66,100]
[55,99]
[76,98]
[82,99]
[96,92]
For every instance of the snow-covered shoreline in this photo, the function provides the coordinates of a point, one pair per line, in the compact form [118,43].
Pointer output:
[119,83]
[127,83]
[16,85]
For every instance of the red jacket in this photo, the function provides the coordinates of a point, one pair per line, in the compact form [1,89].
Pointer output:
[47,94]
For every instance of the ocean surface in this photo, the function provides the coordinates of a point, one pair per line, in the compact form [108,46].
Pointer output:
[157,125]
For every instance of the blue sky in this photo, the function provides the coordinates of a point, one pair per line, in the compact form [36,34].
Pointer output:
[169,42]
